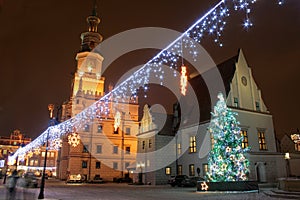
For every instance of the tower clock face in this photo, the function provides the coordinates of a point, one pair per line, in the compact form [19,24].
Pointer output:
[244,80]
[90,66]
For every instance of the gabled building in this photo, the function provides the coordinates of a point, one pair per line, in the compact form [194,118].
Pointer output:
[192,142]
[108,144]
[154,153]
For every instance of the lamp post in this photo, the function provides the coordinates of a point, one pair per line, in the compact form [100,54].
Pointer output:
[287,158]
[51,123]
[140,176]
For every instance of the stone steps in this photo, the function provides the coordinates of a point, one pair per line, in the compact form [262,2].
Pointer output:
[282,194]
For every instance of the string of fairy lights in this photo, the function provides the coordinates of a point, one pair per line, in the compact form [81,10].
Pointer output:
[212,23]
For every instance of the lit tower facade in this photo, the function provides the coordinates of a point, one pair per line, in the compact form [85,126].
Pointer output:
[107,145]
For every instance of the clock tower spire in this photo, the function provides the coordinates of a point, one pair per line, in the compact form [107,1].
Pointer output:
[88,81]
[91,38]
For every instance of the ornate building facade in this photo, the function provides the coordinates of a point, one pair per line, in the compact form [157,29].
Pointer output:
[33,161]
[107,146]
[190,145]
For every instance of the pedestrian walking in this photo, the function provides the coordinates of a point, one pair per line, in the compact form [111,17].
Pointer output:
[11,185]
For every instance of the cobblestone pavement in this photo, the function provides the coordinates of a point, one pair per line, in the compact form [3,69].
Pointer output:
[112,191]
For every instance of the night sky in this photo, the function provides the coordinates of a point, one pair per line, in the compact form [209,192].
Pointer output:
[39,41]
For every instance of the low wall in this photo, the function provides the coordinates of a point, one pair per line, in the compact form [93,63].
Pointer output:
[203,186]
[289,184]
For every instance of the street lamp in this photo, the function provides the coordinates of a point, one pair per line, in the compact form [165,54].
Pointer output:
[140,178]
[51,123]
[287,158]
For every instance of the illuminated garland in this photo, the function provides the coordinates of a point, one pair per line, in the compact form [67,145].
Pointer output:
[117,120]
[212,23]
[183,80]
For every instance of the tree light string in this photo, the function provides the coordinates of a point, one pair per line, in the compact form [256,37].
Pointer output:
[212,23]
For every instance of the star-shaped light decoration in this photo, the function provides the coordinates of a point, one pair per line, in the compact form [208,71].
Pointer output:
[228,149]
[204,186]
[223,167]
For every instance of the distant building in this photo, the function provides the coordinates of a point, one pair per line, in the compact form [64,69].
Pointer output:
[9,145]
[108,144]
[244,97]
[33,161]
[290,143]
[155,134]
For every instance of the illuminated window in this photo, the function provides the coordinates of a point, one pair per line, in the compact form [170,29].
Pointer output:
[205,168]
[43,154]
[179,148]
[52,154]
[245,140]
[192,144]
[192,170]
[168,170]
[179,169]
[262,140]
[31,163]
[212,140]
[4,152]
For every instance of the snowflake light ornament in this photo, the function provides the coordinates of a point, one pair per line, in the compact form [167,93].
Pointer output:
[74,139]
[56,143]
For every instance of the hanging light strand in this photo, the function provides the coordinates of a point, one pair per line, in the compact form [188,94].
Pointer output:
[212,23]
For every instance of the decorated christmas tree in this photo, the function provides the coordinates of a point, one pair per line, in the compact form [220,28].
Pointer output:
[226,160]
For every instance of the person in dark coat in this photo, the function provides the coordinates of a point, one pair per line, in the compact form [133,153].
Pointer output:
[11,185]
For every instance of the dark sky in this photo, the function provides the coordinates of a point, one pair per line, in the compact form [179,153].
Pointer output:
[39,41]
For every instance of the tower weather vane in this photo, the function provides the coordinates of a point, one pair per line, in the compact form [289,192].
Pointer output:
[213,22]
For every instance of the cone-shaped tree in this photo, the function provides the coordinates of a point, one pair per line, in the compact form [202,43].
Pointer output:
[226,160]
